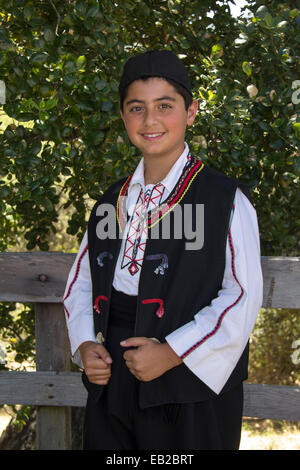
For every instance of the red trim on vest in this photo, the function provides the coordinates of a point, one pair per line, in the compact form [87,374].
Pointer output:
[121,210]
[74,278]
[174,196]
[218,324]
[160,311]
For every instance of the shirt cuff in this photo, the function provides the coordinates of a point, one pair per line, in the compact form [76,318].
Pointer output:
[80,330]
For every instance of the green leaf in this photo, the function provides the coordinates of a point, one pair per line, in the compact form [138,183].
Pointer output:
[39,58]
[203,93]
[269,20]
[261,12]
[220,123]
[48,204]
[51,103]
[43,116]
[294,13]
[247,68]
[69,80]
[49,34]
[106,106]
[264,126]
[216,49]
[80,62]
[28,12]
[92,12]
[282,24]
[100,84]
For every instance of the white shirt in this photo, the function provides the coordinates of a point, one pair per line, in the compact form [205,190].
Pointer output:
[240,296]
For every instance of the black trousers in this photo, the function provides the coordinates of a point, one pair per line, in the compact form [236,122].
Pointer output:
[115,421]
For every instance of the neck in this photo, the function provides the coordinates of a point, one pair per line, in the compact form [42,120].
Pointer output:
[156,169]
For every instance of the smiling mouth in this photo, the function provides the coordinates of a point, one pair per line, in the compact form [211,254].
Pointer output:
[153,136]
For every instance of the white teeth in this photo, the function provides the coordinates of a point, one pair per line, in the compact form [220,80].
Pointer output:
[153,135]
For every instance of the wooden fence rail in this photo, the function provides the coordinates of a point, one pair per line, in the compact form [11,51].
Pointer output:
[41,277]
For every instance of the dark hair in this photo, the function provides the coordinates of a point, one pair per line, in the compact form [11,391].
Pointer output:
[178,88]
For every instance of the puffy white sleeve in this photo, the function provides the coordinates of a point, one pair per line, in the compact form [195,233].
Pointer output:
[212,343]
[77,302]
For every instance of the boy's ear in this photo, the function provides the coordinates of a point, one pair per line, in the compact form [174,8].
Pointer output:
[191,113]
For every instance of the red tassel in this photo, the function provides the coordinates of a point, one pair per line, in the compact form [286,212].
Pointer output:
[160,311]
[96,305]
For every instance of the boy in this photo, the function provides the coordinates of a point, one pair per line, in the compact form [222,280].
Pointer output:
[162,326]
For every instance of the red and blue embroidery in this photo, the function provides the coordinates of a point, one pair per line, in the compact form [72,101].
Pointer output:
[75,277]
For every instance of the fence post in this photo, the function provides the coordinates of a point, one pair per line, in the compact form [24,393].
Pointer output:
[52,354]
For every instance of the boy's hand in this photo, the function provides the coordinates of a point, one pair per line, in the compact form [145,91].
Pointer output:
[96,362]
[151,359]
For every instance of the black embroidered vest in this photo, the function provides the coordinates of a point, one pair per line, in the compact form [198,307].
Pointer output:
[175,282]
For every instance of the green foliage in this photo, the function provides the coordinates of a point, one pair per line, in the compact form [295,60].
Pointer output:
[61,62]
[271,348]
[17,330]
[21,416]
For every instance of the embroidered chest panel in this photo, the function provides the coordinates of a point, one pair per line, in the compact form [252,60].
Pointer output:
[190,171]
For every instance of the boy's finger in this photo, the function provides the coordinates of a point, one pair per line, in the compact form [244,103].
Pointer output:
[134,341]
[103,353]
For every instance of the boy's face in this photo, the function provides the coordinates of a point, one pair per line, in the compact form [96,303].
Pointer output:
[155,118]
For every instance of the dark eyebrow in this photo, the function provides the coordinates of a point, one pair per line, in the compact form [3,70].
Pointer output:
[169,98]
[166,97]
[134,101]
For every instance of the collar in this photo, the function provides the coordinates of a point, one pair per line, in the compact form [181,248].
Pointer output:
[169,181]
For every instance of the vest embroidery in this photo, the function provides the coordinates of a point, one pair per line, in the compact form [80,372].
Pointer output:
[137,233]
[163,266]
[97,301]
[190,171]
[192,168]
[101,257]
[160,311]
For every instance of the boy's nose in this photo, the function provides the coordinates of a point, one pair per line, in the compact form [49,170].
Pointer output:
[149,117]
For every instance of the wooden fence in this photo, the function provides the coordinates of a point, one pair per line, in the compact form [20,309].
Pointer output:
[41,277]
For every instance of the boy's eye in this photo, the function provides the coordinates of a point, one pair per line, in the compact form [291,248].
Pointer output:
[165,106]
[161,106]
[135,109]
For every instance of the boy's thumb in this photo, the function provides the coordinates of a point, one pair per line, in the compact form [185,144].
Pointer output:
[135,341]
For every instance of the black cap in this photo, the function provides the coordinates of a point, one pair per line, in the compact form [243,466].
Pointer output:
[155,63]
